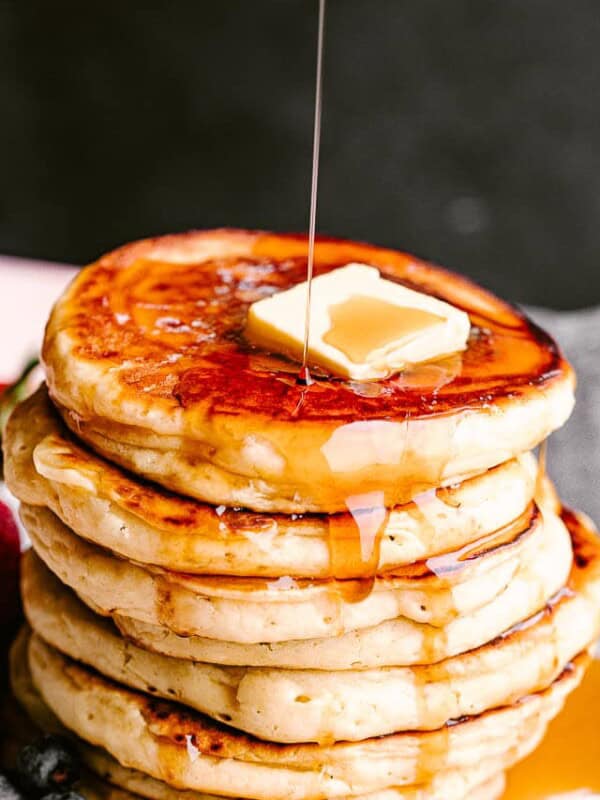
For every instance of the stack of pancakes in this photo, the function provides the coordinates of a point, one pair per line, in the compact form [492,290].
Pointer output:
[242,586]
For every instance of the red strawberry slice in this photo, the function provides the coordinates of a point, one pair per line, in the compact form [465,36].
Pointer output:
[10,550]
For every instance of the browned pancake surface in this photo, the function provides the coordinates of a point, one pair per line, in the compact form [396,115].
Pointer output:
[179,326]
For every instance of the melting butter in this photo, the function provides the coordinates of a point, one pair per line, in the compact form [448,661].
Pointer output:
[362,326]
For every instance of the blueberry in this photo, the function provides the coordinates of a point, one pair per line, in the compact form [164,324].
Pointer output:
[48,764]
[63,796]
[8,791]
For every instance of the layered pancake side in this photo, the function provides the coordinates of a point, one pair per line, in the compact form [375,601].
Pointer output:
[318,705]
[141,521]
[123,783]
[145,358]
[255,610]
[159,738]
[246,583]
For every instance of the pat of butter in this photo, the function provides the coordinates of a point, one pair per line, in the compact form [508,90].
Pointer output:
[362,326]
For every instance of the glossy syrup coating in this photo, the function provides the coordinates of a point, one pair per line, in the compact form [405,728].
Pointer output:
[180,328]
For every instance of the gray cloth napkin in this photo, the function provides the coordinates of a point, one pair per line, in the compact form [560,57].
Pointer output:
[574,451]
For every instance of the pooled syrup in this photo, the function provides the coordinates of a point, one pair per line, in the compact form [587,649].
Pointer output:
[566,766]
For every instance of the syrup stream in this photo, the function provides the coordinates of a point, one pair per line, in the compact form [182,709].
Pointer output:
[542,468]
[304,376]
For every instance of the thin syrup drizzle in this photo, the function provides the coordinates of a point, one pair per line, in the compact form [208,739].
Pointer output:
[304,376]
[542,469]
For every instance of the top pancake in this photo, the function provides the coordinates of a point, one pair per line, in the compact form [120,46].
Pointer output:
[146,359]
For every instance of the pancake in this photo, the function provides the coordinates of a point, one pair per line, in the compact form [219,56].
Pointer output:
[141,522]
[393,643]
[122,783]
[188,751]
[455,788]
[282,705]
[145,359]
[255,610]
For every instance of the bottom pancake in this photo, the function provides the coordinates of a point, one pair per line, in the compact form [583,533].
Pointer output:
[121,783]
[188,751]
[105,779]
[144,787]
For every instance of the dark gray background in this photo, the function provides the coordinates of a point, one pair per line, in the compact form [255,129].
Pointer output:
[465,131]
[574,452]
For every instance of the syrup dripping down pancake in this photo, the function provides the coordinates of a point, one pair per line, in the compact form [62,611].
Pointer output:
[124,783]
[399,641]
[189,751]
[103,778]
[146,360]
[283,705]
[257,610]
[140,521]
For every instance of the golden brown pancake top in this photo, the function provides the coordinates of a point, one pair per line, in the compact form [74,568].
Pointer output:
[178,326]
